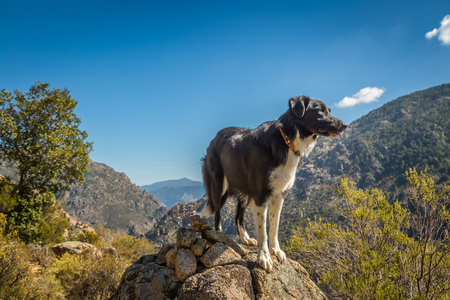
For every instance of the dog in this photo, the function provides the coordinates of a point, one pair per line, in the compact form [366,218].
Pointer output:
[258,167]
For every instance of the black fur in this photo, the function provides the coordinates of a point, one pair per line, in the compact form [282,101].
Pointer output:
[248,156]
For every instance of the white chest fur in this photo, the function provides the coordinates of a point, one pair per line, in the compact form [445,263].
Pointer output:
[282,178]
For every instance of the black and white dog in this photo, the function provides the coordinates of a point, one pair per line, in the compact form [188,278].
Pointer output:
[258,167]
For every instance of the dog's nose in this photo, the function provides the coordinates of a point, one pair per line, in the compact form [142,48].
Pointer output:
[344,126]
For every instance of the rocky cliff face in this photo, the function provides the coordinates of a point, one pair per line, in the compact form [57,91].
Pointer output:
[111,199]
[204,264]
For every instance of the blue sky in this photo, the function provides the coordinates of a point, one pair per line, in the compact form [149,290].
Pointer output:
[155,80]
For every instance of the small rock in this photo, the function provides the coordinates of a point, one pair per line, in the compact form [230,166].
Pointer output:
[185,237]
[199,246]
[109,250]
[185,264]
[161,258]
[199,224]
[171,255]
[98,253]
[219,254]
[214,236]
[73,247]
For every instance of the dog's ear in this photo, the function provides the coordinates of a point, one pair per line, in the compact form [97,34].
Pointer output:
[299,105]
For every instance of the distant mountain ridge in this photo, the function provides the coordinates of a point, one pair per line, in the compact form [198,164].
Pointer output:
[171,192]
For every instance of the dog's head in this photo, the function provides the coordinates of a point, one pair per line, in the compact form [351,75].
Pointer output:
[315,116]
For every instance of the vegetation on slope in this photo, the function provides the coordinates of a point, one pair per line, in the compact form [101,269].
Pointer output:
[33,272]
[382,250]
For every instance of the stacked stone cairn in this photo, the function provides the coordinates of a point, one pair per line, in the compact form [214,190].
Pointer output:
[199,248]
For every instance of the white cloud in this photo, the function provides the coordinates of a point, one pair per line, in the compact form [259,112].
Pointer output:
[365,95]
[431,34]
[443,32]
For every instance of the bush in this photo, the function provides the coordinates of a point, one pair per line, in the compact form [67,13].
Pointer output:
[128,246]
[19,279]
[88,276]
[8,196]
[386,251]
[89,237]
[52,225]
[26,216]
[93,276]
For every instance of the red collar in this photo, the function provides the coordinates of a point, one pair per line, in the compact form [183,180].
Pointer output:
[289,143]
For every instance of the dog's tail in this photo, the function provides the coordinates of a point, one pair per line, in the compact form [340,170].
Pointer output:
[208,207]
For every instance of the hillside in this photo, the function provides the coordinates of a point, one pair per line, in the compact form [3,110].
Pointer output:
[111,199]
[171,192]
[374,152]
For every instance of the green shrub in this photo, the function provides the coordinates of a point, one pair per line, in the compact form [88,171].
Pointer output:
[19,279]
[127,246]
[25,218]
[88,276]
[52,225]
[8,196]
[89,237]
[386,251]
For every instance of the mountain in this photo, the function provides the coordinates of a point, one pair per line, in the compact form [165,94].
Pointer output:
[111,199]
[172,192]
[374,152]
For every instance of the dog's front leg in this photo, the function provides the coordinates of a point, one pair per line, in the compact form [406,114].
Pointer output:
[275,205]
[263,255]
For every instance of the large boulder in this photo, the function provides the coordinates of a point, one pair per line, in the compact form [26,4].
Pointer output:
[71,248]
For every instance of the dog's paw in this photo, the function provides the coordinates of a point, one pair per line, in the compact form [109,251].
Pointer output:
[249,241]
[264,260]
[279,254]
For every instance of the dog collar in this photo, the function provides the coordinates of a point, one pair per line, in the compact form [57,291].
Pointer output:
[289,143]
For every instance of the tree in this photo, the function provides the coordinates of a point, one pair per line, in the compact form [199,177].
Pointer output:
[385,251]
[429,253]
[39,133]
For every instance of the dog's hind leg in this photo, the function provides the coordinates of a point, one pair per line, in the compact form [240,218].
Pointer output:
[263,255]
[275,205]
[240,220]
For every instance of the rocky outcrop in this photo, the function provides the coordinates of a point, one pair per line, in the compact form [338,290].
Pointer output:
[222,270]
[75,227]
[77,248]
[73,247]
